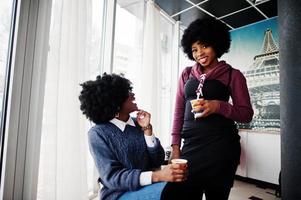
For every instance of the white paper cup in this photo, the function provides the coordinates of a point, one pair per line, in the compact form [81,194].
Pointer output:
[180,161]
[194,103]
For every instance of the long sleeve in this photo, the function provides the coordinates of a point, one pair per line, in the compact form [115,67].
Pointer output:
[156,154]
[179,108]
[150,140]
[241,110]
[146,178]
[112,173]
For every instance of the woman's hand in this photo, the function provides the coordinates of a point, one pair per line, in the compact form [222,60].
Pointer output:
[143,118]
[170,173]
[207,107]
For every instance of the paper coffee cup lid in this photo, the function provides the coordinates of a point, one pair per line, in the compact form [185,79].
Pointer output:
[179,160]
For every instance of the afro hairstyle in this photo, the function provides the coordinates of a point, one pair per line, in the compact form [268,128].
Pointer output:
[208,31]
[102,98]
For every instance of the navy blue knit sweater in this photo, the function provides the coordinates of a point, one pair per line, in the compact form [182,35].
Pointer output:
[120,157]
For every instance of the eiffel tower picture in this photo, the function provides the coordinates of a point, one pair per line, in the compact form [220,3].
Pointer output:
[263,82]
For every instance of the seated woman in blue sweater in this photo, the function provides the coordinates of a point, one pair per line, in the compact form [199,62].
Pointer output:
[127,154]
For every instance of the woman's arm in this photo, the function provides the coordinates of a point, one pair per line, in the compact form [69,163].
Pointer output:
[179,110]
[241,110]
[155,150]
[112,173]
[170,173]
[115,176]
[156,154]
[178,118]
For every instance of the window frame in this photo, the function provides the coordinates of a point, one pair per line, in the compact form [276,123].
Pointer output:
[25,100]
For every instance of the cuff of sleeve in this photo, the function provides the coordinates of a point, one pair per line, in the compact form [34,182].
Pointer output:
[150,140]
[145,178]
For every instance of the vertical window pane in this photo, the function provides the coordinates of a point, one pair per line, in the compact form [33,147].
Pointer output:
[5,22]
[6,12]
[128,39]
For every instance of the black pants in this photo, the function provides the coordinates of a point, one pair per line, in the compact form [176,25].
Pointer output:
[194,191]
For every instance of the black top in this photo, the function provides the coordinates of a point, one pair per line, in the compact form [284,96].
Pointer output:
[211,144]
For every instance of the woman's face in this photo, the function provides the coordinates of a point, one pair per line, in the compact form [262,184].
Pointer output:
[129,105]
[204,55]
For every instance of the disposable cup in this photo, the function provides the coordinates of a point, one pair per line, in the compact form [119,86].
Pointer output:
[181,162]
[195,104]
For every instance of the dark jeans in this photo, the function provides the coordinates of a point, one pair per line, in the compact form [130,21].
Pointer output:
[194,191]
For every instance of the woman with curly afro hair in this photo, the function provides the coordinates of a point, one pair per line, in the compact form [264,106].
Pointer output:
[125,151]
[211,141]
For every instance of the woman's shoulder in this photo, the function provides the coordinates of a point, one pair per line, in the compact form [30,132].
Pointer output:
[187,72]
[104,133]
[237,76]
[237,73]
[235,70]
[100,129]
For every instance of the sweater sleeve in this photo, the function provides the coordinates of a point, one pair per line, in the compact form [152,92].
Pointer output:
[241,110]
[156,154]
[179,109]
[112,173]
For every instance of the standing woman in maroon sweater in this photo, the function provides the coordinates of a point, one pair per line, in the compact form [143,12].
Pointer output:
[210,142]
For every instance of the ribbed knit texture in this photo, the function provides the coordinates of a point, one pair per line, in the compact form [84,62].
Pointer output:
[120,157]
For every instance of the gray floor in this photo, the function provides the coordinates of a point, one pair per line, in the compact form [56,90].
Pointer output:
[246,191]
[242,191]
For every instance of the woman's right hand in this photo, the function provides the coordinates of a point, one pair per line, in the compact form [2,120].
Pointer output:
[175,153]
[170,173]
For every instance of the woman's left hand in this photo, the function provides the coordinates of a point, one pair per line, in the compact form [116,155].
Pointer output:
[208,107]
[143,118]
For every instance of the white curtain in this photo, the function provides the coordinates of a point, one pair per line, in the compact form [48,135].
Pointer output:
[63,158]
[150,77]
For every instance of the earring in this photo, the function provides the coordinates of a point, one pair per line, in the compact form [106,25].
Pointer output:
[117,114]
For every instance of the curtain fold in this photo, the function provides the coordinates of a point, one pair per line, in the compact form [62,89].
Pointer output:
[63,158]
[150,77]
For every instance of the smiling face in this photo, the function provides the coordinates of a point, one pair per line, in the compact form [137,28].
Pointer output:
[129,105]
[204,55]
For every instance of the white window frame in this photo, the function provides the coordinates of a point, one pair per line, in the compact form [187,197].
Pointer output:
[24,113]
[107,44]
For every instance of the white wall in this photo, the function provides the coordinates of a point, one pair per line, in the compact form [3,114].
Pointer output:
[260,158]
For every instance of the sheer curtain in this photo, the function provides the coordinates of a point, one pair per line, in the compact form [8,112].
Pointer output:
[156,77]
[63,156]
[150,78]
[143,51]
[168,70]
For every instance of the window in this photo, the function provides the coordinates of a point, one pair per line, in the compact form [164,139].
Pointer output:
[6,14]
[128,42]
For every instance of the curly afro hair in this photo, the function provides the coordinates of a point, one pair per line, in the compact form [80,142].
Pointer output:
[208,31]
[102,98]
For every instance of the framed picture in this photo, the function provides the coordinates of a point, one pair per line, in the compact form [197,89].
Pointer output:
[254,51]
